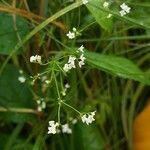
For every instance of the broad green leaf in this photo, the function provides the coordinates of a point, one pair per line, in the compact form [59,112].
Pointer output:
[88,138]
[99,15]
[119,66]
[14,94]
[8,33]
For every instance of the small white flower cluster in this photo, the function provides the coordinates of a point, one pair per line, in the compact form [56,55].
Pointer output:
[35,59]
[85,1]
[72,35]
[41,104]
[88,118]
[74,121]
[82,58]
[71,62]
[21,78]
[53,127]
[125,9]
[105,4]
[66,129]
[67,86]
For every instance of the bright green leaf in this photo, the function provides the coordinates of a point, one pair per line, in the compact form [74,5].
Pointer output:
[99,15]
[119,66]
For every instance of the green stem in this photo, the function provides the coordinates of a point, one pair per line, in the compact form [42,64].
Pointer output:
[71,107]
[18,110]
[57,87]
[59,106]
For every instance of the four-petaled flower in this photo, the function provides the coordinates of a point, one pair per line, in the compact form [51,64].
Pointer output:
[21,79]
[71,35]
[88,118]
[105,4]
[35,59]
[52,129]
[125,9]
[66,129]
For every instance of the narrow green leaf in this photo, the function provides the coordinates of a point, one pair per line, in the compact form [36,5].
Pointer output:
[99,15]
[119,66]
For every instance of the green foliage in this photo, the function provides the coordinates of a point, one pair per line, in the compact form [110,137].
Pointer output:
[14,94]
[89,138]
[99,15]
[121,67]
[11,32]
[122,52]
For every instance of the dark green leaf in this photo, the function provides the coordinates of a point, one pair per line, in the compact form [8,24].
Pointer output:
[8,33]
[14,94]
[88,137]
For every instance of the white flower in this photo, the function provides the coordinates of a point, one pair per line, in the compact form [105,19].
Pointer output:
[88,118]
[125,9]
[81,63]
[109,15]
[71,61]
[105,4]
[41,104]
[74,121]
[35,59]
[85,1]
[82,59]
[66,68]
[21,71]
[32,59]
[70,64]
[47,81]
[66,129]
[52,129]
[67,86]
[80,49]
[74,30]
[22,79]
[71,35]
[122,13]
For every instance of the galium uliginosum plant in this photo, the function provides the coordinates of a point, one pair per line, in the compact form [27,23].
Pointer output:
[57,67]
[74,61]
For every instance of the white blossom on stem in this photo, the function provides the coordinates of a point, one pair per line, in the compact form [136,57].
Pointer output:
[88,118]
[66,129]
[125,9]
[52,129]
[21,79]
[35,59]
